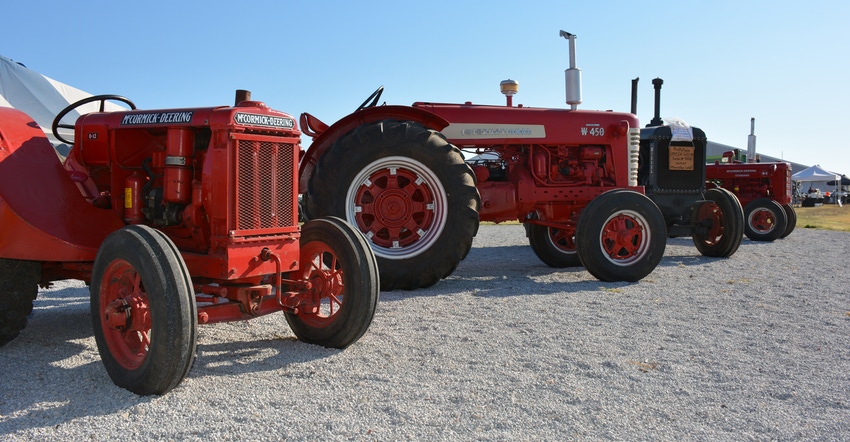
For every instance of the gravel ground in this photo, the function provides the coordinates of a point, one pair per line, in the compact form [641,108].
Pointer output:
[753,347]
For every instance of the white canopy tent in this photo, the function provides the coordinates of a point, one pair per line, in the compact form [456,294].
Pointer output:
[42,98]
[814,176]
[815,173]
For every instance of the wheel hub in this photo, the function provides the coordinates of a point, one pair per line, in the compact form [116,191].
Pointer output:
[392,209]
[762,221]
[117,315]
[622,237]
[710,216]
[130,313]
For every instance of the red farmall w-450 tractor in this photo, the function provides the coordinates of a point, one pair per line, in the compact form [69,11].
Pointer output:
[175,217]
[570,176]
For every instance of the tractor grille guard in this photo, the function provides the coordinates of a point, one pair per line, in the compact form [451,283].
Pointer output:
[266,199]
[634,155]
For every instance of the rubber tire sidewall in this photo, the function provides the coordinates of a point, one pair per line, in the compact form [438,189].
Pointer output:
[18,290]
[360,277]
[589,235]
[778,214]
[733,225]
[540,239]
[791,217]
[173,310]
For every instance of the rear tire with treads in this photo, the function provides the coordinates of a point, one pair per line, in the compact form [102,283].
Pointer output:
[408,191]
[18,289]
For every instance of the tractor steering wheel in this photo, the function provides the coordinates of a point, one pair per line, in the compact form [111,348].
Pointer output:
[373,98]
[101,98]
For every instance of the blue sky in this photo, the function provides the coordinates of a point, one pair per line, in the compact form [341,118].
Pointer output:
[787,64]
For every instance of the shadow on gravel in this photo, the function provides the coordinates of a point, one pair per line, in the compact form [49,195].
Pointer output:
[254,356]
[52,369]
[504,271]
[514,270]
[52,372]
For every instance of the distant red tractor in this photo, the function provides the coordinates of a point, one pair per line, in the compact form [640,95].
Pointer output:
[765,192]
[570,176]
[175,217]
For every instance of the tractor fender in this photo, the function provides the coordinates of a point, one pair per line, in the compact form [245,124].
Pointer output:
[325,139]
[43,215]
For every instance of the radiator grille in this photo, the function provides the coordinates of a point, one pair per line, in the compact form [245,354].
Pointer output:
[634,155]
[265,191]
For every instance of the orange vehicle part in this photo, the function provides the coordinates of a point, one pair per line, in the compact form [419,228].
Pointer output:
[41,211]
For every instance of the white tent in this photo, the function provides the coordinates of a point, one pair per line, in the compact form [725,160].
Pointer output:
[41,97]
[815,173]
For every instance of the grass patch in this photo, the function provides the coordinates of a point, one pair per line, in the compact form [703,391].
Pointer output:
[826,217]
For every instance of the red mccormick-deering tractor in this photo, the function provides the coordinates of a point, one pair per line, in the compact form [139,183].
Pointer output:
[174,217]
[569,175]
[764,189]
[673,170]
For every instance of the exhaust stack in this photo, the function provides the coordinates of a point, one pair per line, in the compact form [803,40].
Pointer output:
[751,142]
[656,119]
[634,95]
[573,74]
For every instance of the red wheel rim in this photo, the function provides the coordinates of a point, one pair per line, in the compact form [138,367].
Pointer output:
[762,220]
[395,207]
[125,314]
[400,206]
[562,239]
[711,211]
[625,237]
[324,271]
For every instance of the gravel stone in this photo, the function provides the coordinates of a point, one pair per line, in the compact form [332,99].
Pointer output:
[751,347]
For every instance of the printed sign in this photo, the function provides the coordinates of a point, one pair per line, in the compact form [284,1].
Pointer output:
[681,158]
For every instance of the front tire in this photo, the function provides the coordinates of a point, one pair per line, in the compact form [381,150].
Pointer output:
[410,193]
[555,247]
[621,236]
[18,289]
[791,216]
[721,224]
[765,220]
[143,310]
[343,272]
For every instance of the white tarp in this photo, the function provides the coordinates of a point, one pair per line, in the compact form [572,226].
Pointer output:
[41,97]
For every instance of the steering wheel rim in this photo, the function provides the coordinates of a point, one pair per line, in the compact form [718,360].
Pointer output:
[101,98]
[373,98]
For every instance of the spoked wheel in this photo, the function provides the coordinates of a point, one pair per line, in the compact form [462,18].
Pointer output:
[765,220]
[143,310]
[555,247]
[721,224]
[343,272]
[621,236]
[791,217]
[18,289]
[409,191]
